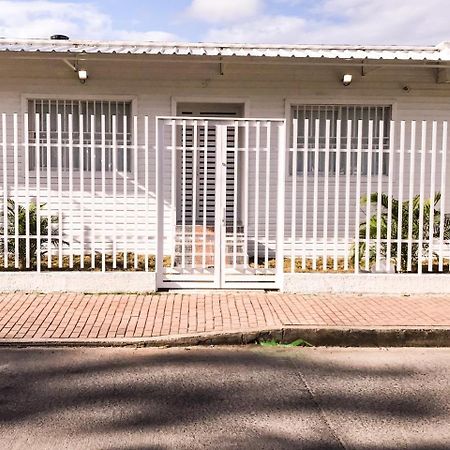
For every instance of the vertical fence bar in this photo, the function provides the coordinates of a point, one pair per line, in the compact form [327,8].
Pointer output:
[183,197]
[27,187]
[103,174]
[49,191]
[379,194]
[70,126]
[37,156]
[281,181]
[194,192]
[336,194]
[59,175]
[368,194]
[159,167]
[93,208]
[294,190]
[257,151]
[81,154]
[146,188]
[347,192]
[305,192]
[267,201]
[125,191]
[316,191]
[114,190]
[205,191]
[246,192]
[174,177]
[423,150]
[358,196]
[432,194]
[325,196]
[390,194]
[235,192]
[401,169]
[136,180]
[5,193]
[443,195]
[16,188]
[412,168]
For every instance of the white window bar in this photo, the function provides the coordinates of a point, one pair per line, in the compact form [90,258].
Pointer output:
[401,169]
[267,200]
[423,150]
[336,194]
[412,167]
[432,194]
[443,195]
[294,191]
[368,194]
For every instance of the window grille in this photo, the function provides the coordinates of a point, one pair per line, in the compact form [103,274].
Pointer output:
[92,108]
[344,113]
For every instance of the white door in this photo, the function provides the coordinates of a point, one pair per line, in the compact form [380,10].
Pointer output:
[221,218]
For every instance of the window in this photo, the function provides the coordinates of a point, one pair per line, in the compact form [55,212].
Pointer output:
[318,115]
[92,133]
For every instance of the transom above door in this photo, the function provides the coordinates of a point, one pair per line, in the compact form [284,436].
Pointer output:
[222,218]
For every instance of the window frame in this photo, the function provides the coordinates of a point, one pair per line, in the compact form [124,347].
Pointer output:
[311,101]
[26,98]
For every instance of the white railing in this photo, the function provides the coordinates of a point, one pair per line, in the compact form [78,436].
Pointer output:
[80,199]
[344,197]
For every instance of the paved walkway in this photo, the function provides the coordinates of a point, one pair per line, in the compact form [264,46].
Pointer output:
[72,316]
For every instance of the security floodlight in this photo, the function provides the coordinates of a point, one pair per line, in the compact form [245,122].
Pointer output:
[347,79]
[82,75]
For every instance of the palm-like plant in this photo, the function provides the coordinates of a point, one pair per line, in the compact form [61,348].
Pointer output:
[29,247]
[407,251]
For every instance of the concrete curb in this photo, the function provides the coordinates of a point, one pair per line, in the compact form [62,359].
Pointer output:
[316,336]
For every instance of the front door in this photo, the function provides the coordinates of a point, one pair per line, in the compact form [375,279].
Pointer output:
[222,222]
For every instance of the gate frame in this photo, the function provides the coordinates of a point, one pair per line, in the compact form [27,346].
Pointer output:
[219,281]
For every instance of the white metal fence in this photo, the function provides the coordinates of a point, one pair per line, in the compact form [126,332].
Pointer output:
[360,195]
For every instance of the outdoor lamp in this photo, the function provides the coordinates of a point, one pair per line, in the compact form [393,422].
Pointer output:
[347,79]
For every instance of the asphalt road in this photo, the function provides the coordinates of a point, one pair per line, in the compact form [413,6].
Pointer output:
[224,398]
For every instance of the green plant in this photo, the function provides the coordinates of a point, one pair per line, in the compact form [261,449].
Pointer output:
[29,246]
[275,343]
[407,251]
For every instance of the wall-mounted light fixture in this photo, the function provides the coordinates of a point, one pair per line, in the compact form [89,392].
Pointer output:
[347,79]
[82,75]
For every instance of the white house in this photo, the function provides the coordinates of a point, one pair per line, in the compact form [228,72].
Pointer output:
[228,164]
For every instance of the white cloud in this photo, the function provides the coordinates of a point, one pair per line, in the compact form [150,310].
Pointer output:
[224,10]
[31,19]
[347,22]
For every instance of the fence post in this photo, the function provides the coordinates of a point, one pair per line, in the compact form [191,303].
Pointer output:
[280,200]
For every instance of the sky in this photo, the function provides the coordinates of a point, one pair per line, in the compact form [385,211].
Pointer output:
[414,22]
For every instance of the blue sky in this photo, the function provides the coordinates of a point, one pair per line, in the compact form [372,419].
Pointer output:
[256,21]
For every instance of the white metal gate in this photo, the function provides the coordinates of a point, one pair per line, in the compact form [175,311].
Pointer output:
[220,196]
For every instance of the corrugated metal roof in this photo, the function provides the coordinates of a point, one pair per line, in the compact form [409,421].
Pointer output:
[440,52]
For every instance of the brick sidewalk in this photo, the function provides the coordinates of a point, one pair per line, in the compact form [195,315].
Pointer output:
[75,316]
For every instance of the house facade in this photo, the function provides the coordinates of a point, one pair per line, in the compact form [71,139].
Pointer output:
[223,165]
